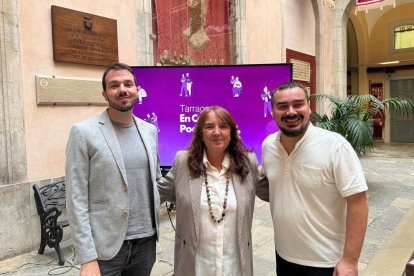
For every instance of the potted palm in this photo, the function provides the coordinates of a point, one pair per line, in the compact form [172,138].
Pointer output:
[353,116]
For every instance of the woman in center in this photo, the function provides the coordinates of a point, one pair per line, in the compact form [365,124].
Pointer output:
[213,185]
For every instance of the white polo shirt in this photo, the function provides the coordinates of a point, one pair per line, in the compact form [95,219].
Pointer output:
[307,190]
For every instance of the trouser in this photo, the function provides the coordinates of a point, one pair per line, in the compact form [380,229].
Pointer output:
[285,268]
[267,107]
[136,257]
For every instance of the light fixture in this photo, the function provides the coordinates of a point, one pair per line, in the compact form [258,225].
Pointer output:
[389,62]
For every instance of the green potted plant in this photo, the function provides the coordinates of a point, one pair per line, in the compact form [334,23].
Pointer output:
[352,117]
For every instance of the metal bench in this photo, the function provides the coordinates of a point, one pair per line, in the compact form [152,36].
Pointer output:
[49,200]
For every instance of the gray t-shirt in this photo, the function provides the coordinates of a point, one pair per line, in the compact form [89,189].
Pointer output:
[141,222]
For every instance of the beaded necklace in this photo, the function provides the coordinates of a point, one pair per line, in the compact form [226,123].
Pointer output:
[210,209]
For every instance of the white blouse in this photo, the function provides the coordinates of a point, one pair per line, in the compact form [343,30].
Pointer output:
[218,251]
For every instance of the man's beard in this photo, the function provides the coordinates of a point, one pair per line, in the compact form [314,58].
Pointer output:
[120,107]
[294,133]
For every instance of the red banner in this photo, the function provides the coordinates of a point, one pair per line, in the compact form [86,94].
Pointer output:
[366,2]
[372,4]
[193,32]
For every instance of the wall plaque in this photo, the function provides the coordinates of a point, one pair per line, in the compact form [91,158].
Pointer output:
[83,38]
[301,70]
[68,91]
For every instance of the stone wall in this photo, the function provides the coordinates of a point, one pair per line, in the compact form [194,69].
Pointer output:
[50,124]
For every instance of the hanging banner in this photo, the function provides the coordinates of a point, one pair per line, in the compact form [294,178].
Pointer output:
[362,5]
[194,32]
[365,2]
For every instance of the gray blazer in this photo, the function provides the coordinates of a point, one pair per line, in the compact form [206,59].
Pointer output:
[185,191]
[97,186]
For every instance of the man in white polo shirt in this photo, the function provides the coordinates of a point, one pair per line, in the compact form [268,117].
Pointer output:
[316,191]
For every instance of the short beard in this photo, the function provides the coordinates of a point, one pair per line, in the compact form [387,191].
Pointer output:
[295,133]
[122,108]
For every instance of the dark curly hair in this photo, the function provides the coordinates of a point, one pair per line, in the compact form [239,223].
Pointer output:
[236,148]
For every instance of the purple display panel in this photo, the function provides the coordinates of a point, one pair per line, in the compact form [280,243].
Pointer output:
[173,101]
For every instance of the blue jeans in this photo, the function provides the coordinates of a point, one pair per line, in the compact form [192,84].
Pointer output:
[135,258]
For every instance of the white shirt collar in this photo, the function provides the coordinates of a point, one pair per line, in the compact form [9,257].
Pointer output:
[225,164]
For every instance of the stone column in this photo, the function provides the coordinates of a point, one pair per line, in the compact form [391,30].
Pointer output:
[145,49]
[13,165]
[339,43]
[238,21]
[342,10]
[363,82]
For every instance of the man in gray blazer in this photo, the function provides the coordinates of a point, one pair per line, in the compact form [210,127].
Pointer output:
[112,167]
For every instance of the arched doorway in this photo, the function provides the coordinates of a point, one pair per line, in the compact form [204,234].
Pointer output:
[375,66]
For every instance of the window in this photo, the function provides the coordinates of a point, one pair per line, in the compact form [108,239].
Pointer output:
[402,36]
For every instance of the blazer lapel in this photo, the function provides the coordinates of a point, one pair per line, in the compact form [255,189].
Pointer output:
[195,197]
[146,141]
[108,132]
[241,201]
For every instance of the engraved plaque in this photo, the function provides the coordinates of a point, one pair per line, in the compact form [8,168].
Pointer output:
[301,70]
[83,38]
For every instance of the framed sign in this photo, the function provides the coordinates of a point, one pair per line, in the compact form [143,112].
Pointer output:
[304,70]
[84,38]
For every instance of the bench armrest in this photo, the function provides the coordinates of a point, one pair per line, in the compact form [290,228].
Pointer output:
[52,209]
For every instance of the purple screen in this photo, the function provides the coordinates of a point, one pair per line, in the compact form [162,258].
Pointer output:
[172,101]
